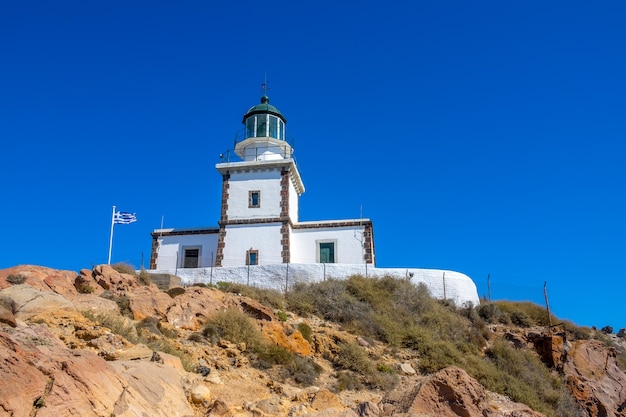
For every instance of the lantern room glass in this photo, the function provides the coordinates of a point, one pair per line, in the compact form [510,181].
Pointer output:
[265,125]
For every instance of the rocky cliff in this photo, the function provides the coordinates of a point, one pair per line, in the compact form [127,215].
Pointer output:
[102,343]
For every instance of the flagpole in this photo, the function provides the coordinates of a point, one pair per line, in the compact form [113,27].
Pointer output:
[111,235]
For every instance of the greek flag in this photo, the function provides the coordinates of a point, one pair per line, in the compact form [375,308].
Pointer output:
[122,217]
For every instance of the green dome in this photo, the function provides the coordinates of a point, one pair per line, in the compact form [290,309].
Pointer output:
[263,108]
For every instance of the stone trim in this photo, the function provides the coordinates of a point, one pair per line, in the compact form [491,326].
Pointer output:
[347,223]
[285,179]
[154,252]
[219,256]
[368,244]
[184,232]
[250,221]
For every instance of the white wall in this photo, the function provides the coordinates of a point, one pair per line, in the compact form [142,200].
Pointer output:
[348,246]
[262,237]
[456,286]
[240,183]
[293,202]
[171,249]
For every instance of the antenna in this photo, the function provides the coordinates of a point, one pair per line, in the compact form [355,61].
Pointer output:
[264,86]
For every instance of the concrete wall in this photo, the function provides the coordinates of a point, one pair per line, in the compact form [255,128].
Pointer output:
[263,237]
[171,249]
[348,244]
[241,183]
[293,203]
[456,286]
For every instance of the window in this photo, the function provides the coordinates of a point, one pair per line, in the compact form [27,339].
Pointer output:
[261,125]
[254,199]
[250,127]
[274,127]
[191,257]
[252,257]
[281,130]
[326,252]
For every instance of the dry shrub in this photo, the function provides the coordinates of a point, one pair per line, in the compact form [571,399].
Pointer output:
[144,277]
[16,279]
[268,297]
[352,357]
[235,326]
[124,327]
[124,268]
[85,288]
[176,291]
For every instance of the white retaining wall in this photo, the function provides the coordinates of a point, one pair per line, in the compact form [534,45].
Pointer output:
[456,286]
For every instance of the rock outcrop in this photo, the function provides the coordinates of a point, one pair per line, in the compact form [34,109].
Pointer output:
[595,379]
[95,344]
[450,392]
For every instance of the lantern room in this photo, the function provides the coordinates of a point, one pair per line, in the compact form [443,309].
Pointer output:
[264,134]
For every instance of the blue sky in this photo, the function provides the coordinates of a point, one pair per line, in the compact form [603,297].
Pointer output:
[482,137]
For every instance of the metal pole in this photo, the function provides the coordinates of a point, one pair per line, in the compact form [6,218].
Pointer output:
[444,286]
[248,282]
[324,271]
[545,294]
[111,235]
[176,270]
[211,278]
[489,286]
[287,279]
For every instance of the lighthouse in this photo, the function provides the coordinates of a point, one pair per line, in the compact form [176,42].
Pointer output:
[259,222]
[260,193]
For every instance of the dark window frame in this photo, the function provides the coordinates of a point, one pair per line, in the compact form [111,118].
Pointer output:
[249,257]
[251,198]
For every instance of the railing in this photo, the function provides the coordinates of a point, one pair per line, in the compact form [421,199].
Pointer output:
[229,154]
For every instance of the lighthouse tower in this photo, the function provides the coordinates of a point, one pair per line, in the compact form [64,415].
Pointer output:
[260,193]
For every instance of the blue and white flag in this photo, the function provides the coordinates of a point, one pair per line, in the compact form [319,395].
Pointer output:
[122,217]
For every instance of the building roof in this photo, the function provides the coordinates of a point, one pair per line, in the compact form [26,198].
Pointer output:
[264,107]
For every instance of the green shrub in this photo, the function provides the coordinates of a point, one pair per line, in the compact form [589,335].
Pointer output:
[520,318]
[537,315]
[269,355]
[352,357]
[235,326]
[348,381]
[303,370]
[124,268]
[282,316]
[329,300]
[524,378]
[576,332]
[491,313]
[305,331]
[16,279]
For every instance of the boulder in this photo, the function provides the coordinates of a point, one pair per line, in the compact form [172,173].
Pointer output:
[190,310]
[595,379]
[42,278]
[450,392]
[6,314]
[41,376]
[148,301]
[281,335]
[28,301]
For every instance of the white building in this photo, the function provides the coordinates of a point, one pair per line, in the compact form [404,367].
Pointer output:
[259,212]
